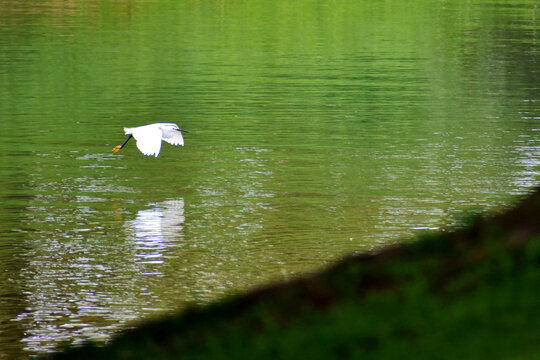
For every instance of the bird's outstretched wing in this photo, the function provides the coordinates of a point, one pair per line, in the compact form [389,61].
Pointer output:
[173,137]
[148,140]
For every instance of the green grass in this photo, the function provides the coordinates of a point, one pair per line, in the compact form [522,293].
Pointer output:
[470,294]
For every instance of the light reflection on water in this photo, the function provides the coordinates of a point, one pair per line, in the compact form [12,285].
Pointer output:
[73,292]
[156,229]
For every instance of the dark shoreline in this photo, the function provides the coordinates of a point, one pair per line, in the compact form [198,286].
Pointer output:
[470,293]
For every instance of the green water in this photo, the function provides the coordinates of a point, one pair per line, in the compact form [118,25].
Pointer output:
[316,129]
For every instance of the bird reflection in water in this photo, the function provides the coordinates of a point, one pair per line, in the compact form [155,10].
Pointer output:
[156,229]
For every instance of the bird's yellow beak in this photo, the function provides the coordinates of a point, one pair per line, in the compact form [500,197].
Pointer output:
[117,148]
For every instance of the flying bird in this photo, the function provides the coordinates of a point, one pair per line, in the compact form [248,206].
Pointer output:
[149,137]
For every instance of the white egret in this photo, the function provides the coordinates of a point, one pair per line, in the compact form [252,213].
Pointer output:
[149,137]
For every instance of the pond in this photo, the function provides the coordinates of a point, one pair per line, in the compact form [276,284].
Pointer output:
[316,129]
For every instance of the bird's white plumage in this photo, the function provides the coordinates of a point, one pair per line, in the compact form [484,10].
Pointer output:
[149,137]
[148,140]
[173,137]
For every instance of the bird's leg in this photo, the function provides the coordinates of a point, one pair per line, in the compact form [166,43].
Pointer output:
[117,148]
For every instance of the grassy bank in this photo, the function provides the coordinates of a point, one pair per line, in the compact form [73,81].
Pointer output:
[469,294]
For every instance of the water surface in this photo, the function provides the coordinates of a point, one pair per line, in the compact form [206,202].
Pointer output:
[316,130]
